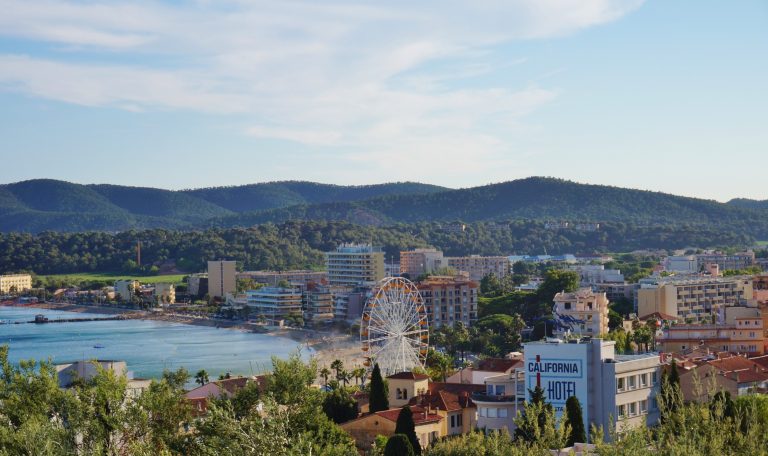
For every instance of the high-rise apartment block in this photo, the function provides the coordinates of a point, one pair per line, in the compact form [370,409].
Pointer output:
[222,278]
[480,266]
[449,299]
[352,264]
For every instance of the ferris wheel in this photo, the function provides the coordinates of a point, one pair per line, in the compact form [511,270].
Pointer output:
[394,331]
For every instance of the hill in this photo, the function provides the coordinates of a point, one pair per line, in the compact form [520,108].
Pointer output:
[748,203]
[46,204]
[533,198]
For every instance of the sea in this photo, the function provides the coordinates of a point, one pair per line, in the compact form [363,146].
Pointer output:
[148,347]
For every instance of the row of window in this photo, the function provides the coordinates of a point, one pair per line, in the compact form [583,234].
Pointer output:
[457,420]
[493,412]
[631,382]
[635,408]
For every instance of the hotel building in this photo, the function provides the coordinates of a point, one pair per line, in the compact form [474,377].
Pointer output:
[16,282]
[352,264]
[449,299]
[420,261]
[222,278]
[274,303]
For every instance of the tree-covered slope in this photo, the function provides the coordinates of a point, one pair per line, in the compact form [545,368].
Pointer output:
[749,203]
[275,195]
[159,203]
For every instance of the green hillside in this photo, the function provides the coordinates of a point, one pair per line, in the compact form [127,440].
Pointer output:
[749,203]
[159,203]
[272,195]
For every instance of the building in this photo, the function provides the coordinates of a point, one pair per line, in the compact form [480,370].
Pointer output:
[480,266]
[618,291]
[216,389]
[349,302]
[353,264]
[588,308]
[681,264]
[421,261]
[294,277]
[165,293]
[274,303]
[594,274]
[222,278]
[71,373]
[197,285]
[613,389]
[449,299]
[392,269]
[498,404]
[693,298]
[125,290]
[537,259]
[454,403]
[743,331]
[428,425]
[736,375]
[486,368]
[405,385]
[317,303]
[725,262]
[16,283]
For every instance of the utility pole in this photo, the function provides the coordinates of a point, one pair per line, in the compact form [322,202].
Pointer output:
[138,252]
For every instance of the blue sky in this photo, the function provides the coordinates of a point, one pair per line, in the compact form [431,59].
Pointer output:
[661,95]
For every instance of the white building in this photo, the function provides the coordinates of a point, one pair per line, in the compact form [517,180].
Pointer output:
[586,306]
[353,264]
[274,303]
[594,274]
[16,282]
[611,388]
[480,266]
[681,264]
[125,289]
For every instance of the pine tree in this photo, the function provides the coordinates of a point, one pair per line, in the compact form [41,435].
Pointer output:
[398,445]
[576,421]
[379,397]
[405,425]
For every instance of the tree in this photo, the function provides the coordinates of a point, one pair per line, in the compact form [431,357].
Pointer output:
[398,445]
[379,396]
[340,406]
[406,426]
[325,373]
[576,421]
[555,281]
[338,366]
[201,377]
[359,375]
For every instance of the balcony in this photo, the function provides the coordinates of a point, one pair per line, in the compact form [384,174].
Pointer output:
[485,397]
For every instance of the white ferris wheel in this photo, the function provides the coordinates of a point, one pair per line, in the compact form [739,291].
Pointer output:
[394,331]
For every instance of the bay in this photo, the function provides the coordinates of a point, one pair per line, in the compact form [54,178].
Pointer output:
[147,346]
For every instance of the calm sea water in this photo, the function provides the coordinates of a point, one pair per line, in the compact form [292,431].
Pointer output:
[147,346]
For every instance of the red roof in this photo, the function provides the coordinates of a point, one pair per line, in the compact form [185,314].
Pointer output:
[419,415]
[447,396]
[408,376]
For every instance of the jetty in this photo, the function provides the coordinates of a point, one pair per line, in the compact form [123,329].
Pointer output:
[41,319]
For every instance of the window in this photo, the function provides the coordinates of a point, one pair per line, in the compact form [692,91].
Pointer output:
[482,411]
[621,411]
[632,384]
[653,378]
[405,393]
[500,391]
[489,389]
[567,306]
[399,394]
[620,384]
[502,413]
[459,420]
[644,406]
[453,420]
[643,380]
[633,409]
[492,412]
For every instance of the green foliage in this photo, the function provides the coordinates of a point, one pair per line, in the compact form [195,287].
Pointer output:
[290,379]
[439,365]
[575,421]
[398,445]
[495,443]
[407,427]
[379,395]
[339,405]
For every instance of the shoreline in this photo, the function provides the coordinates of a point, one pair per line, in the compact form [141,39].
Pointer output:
[324,347]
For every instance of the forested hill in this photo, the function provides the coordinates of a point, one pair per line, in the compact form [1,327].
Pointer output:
[533,198]
[39,205]
[45,204]
[749,203]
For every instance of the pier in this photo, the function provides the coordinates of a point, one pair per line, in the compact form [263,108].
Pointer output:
[43,320]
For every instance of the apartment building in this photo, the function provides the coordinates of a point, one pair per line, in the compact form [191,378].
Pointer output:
[126,289]
[17,283]
[498,404]
[743,330]
[318,304]
[421,261]
[222,278]
[588,308]
[480,266]
[736,261]
[353,264]
[197,284]
[165,293]
[449,299]
[697,298]
[612,389]
[274,303]
[293,277]
[594,274]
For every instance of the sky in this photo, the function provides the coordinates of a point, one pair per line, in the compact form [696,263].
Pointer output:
[659,95]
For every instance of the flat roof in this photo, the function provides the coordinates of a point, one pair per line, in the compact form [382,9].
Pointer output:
[625,358]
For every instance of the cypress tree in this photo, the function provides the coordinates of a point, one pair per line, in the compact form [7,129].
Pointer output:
[378,399]
[575,420]
[405,425]
[398,445]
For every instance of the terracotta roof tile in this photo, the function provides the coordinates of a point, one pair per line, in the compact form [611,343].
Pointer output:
[408,376]
[498,364]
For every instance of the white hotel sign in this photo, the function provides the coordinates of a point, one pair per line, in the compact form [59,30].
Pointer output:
[560,370]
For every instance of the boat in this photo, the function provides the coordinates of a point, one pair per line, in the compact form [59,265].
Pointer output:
[98,346]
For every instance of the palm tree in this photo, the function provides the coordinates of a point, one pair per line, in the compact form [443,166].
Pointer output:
[325,373]
[338,366]
[201,377]
[359,374]
[345,376]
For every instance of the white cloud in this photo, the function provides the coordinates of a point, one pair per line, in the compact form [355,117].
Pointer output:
[347,73]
